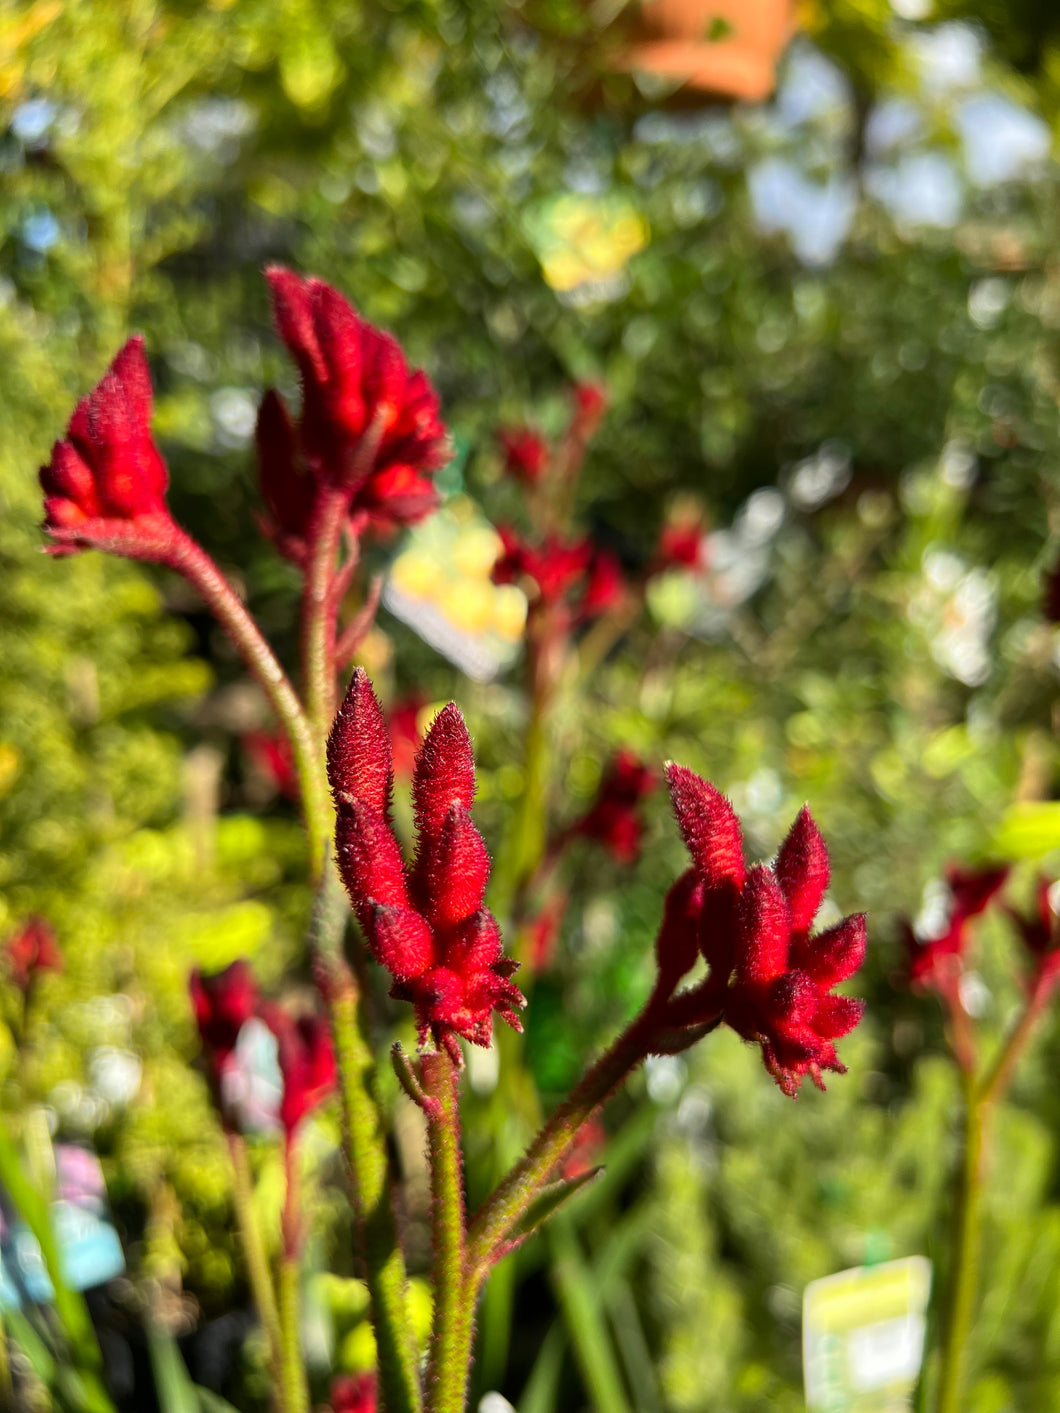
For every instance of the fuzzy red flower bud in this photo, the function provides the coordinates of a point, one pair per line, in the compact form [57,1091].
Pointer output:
[677,944]
[31,949]
[613,820]
[105,485]
[364,413]
[526,455]
[223,1002]
[934,964]
[307,1063]
[441,946]
[287,487]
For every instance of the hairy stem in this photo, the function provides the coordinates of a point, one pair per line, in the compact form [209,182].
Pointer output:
[295,1393]
[259,1277]
[511,1199]
[320,606]
[996,1083]
[364,1141]
[449,1364]
[192,561]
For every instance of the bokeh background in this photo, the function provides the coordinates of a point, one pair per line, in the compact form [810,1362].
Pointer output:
[822,290]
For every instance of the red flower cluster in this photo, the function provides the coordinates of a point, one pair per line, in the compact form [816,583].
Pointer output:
[427,925]
[307,1062]
[224,1002]
[556,568]
[368,424]
[936,964]
[33,948]
[107,478]
[613,819]
[769,977]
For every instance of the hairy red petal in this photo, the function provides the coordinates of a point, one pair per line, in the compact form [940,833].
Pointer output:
[445,771]
[452,870]
[677,945]
[802,870]
[360,763]
[836,1015]
[764,928]
[709,826]
[401,941]
[833,955]
[369,859]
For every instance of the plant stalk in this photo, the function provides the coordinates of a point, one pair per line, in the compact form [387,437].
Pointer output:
[959,1309]
[320,606]
[449,1364]
[259,1276]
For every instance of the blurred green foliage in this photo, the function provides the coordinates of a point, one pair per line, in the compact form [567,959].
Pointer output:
[874,432]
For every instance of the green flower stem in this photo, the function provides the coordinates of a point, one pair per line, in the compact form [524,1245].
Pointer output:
[959,1309]
[981,1101]
[364,1141]
[493,1223]
[192,561]
[259,1276]
[295,1389]
[320,606]
[449,1364]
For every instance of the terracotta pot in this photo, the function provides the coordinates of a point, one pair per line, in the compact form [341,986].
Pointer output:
[728,48]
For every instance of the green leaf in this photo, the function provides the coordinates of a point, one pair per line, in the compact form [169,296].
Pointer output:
[550,1198]
[1028,830]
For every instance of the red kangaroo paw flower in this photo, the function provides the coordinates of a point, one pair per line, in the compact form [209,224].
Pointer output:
[526,455]
[31,949]
[681,544]
[614,820]
[355,381]
[287,487]
[445,952]
[934,965]
[223,1002]
[770,979]
[271,754]
[105,486]
[803,871]
[353,1393]
[606,586]
[307,1063]
[553,568]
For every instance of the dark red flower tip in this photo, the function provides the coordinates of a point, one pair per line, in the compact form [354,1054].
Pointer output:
[223,1002]
[803,870]
[614,820]
[526,455]
[353,1393]
[356,384]
[287,487]
[30,950]
[1039,931]
[107,479]
[444,774]
[306,1058]
[441,946]
[359,757]
[709,827]
[973,889]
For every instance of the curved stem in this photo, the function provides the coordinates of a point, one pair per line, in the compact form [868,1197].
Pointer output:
[511,1199]
[259,1277]
[191,560]
[449,1364]
[292,1364]
[995,1085]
